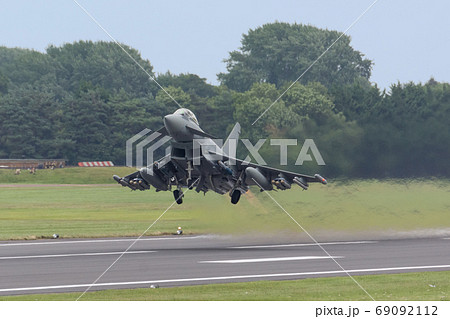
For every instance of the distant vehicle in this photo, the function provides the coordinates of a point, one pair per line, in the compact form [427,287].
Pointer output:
[206,169]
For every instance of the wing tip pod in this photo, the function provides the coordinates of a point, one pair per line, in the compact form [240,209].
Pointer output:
[320,179]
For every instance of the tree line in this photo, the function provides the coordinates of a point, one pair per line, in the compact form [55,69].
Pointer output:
[82,101]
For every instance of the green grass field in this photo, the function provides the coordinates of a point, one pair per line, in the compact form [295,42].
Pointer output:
[112,210]
[410,286]
[69,175]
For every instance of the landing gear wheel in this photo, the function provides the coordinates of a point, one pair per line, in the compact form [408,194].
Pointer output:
[178,196]
[235,196]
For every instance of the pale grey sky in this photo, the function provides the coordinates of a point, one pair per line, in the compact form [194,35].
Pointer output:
[409,40]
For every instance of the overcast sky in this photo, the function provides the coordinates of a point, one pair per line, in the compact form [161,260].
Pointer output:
[409,40]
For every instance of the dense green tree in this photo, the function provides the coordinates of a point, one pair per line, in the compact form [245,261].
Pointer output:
[27,67]
[307,112]
[406,134]
[82,101]
[280,52]
[218,118]
[127,116]
[356,100]
[311,101]
[103,64]
[86,123]
[29,125]
[338,141]
[172,98]
[248,106]
[4,82]
[189,83]
[300,102]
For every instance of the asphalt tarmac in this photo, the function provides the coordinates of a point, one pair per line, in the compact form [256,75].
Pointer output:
[62,265]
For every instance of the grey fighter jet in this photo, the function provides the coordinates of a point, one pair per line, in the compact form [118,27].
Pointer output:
[196,161]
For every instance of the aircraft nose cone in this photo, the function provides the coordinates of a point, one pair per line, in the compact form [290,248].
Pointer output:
[168,120]
[172,123]
[176,126]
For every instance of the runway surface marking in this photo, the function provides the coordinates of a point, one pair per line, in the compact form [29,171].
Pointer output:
[310,244]
[260,260]
[331,272]
[75,255]
[94,241]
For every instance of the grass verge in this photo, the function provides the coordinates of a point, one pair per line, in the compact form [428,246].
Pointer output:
[68,175]
[408,286]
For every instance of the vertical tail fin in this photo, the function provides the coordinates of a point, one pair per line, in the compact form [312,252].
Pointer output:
[230,145]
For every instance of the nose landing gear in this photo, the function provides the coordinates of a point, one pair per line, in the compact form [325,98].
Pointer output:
[235,196]
[178,195]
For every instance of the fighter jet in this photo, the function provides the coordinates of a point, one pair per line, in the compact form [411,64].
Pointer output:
[197,161]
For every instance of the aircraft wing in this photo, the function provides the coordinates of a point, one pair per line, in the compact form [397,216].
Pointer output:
[278,176]
[271,174]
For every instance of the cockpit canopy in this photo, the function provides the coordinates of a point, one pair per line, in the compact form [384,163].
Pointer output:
[187,113]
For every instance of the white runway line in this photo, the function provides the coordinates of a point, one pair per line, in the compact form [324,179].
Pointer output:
[301,245]
[147,282]
[260,260]
[95,241]
[76,255]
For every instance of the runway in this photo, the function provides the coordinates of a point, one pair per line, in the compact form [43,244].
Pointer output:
[49,266]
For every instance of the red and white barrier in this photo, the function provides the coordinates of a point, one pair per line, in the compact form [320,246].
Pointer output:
[95,164]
